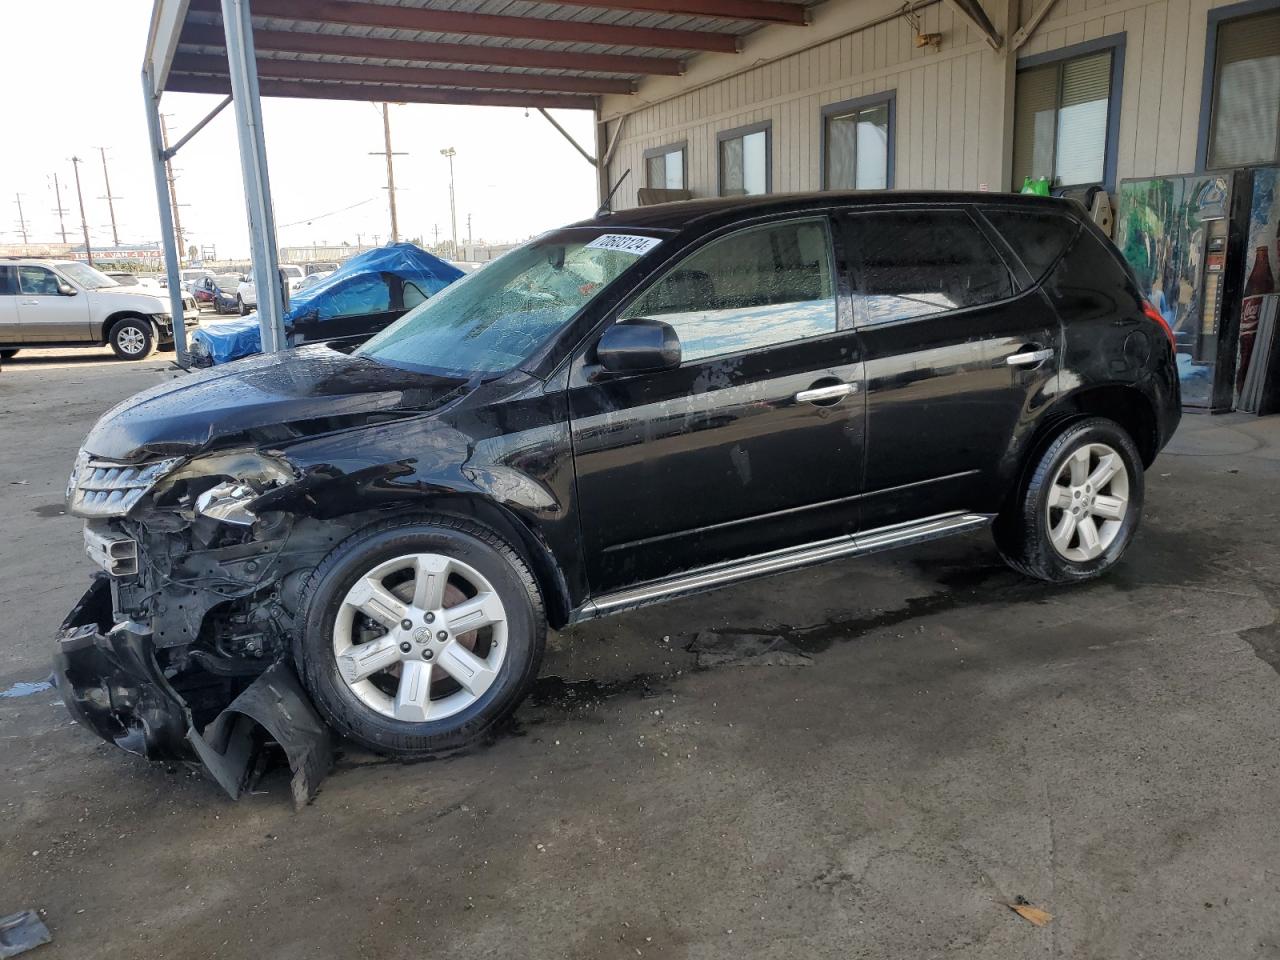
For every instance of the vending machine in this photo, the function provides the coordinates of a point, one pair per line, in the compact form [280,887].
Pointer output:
[1184,237]
[1257,387]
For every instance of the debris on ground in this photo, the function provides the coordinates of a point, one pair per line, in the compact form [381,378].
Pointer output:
[20,932]
[716,648]
[1027,911]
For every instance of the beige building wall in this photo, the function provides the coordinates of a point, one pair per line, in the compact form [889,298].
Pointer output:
[951,132]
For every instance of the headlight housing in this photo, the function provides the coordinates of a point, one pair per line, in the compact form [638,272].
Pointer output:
[242,475]
[103,488]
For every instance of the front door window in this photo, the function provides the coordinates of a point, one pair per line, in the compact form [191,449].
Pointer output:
[746,291]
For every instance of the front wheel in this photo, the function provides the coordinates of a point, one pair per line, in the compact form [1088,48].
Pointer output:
[1079,507]
[417,636]
[132,339]
[242,306]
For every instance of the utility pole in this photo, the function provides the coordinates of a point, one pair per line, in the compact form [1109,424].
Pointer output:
[57,192]
[449,153]
[391,173]
[84,224]
[22,221]
[468,229]
[173,190]
[375,239]
[111,201]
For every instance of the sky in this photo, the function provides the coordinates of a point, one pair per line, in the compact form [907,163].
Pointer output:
[514,173]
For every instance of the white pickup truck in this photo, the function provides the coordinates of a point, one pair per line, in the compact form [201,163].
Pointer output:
[63,303]
[247,293]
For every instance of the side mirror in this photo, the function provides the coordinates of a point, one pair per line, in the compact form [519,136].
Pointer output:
[635,345]
[67,290]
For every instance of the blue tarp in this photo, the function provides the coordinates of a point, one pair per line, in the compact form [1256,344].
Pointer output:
[355,288]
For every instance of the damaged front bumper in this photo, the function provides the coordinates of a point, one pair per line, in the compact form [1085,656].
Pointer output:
[112,683]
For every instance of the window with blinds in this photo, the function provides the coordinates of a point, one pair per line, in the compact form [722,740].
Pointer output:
[664,168]
[1244,125]
[857,147]
[1061,115]
[744,162]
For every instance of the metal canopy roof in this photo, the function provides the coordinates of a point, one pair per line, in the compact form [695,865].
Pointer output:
[484,52]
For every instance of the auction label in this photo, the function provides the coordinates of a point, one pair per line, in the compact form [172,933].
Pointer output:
[624,243]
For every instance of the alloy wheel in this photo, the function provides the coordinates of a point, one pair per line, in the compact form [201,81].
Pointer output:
[420,637]
[131,340]
[1088,502]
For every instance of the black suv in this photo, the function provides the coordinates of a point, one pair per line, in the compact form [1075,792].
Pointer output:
[630,409]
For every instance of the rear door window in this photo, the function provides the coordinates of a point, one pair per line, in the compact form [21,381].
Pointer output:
[8,281]
[915,263]
[754,288]
[1037,238]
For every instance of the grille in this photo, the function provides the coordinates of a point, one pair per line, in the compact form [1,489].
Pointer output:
[100,488]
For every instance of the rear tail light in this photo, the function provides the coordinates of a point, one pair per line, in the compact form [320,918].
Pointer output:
[1154,314]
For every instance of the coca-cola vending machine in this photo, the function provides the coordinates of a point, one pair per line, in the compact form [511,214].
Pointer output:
[1257,388]
[1184,237]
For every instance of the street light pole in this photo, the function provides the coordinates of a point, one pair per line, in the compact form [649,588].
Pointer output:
[450,153]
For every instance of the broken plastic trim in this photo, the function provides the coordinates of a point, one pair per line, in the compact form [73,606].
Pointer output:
[110,681]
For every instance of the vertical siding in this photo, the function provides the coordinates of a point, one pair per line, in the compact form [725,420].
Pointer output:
[934,147]
[940,100]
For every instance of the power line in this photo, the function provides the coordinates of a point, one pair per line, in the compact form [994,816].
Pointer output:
[331,213]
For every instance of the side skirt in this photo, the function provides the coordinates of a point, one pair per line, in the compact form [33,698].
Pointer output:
[777,561]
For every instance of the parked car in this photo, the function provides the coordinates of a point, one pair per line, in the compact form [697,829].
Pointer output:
[193,276]
[354,302]
[247,293]
[64,303]
[218,293]
[311,279]
[635,408]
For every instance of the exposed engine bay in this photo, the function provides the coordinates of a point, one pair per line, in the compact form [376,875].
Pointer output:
[182,645]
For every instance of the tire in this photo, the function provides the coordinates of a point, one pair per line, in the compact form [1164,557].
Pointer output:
[1061,495]
[8,354]
[369,696]
[132,338]
[240,305]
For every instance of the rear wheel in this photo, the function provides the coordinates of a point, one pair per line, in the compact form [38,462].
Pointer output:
[1078,509]
[132,339]
[418,636]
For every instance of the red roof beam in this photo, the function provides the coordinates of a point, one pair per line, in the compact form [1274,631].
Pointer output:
[377,93]
[376,48]
[407,76]
[485,25]
[759,11]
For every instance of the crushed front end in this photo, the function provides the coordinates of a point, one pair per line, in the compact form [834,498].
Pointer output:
[180,649]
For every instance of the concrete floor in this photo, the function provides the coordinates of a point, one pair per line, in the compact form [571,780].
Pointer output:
[961,737]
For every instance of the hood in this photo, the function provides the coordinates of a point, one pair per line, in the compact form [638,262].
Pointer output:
[267,400]
[136,298]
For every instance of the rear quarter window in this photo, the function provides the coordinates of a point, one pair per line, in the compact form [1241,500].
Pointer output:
[1038,238]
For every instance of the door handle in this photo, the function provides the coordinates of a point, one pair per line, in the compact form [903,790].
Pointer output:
[1029,358]
[30,303]
[835,391]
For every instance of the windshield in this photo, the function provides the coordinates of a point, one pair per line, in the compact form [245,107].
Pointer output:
[491,320]
[85,276]
[293,272]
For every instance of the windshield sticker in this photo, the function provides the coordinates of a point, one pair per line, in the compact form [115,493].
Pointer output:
[625,243]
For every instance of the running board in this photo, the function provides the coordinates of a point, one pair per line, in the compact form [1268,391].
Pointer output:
[763,564]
